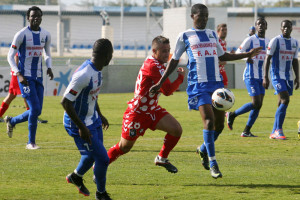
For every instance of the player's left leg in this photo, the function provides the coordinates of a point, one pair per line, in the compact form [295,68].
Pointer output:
[35,103]
[173,129]
[208,119]
[101,161]
[257,104]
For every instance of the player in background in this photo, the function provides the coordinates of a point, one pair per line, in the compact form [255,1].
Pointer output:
[143,111]
[30,42]
[203,50]
[298,124]
[13,91]
[252,31]
[222,33]
[84,121]
[283,51]
[253,78]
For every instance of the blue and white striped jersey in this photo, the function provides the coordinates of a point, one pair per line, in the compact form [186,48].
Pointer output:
[254,70]
[83,91]
[203,49]
[30,46]
[283,51]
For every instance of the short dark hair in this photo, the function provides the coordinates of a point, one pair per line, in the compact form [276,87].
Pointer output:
[261,19]
[35,8]
[221,26]
[102,47]
[197,7]
[160,40]
[286,21]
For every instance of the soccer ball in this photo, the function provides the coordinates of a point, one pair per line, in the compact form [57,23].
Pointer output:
[223,99]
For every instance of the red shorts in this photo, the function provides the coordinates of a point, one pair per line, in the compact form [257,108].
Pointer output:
[225,79]
[135,124]
[14,86]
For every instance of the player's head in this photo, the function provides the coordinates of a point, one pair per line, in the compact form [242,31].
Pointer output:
[261,25]
[252,30]
[102,51]
[34,16]
[161,49]
[286,28]
[222,31]
[199,14]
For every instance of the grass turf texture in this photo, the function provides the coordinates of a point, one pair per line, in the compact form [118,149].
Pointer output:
[253,168]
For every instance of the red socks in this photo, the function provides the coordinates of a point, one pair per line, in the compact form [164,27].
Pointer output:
[114,152]
[169,143]
[3,108]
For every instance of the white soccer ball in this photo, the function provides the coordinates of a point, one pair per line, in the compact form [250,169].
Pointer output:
[223,99]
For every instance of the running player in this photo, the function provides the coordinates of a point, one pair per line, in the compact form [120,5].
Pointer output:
[283,50]
[13,91]
[84,121]
[143,112]
[253,78]
[30,43]
[222,33]
[203,49]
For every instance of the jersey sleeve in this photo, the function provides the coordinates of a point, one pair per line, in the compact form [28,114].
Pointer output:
[15,45]
[47,51]
[297,49]
[244,47]
[220,50]
[168,88]
[76,85]
[179,47]
[272,47]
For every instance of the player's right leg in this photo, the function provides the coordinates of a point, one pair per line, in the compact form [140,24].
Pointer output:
[85,163]
[171,126]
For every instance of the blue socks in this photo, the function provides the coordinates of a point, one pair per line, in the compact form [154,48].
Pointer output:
[86,162]
[209,138]
[280,116]
[245,108]
[252,117]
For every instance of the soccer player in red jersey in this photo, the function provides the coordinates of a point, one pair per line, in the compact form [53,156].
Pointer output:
[222,33]
[143,111]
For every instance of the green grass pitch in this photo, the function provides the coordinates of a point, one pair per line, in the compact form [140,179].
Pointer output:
[253,168]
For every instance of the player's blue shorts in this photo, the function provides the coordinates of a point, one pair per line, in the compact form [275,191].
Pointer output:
[200,93]
[254,87]
[83,146]
[281,85]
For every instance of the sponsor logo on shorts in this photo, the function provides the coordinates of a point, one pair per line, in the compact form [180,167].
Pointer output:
[278,86]
[14,46]
[132,132]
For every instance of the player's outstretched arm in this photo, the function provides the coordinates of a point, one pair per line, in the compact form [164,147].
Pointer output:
[232,56]
[170,68]
[296,71]
[266,66]
[84,132]
[168,88]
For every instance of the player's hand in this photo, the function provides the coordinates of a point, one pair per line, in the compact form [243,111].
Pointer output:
[22,79]
[296,83]
[85,134]
[255,51]
[105,123]
[155,88]
[180,71]
[222,62]
[50,74]
[249,60]
[266,83]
